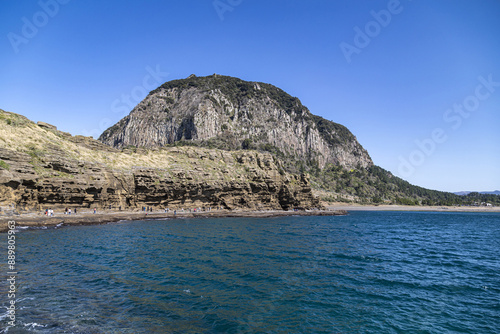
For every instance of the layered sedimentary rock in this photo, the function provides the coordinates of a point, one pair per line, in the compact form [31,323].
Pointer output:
[226,112]
[41,167]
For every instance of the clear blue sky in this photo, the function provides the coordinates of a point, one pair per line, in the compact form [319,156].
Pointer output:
[395,83]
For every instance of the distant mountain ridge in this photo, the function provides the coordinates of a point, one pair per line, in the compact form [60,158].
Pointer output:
[462,193]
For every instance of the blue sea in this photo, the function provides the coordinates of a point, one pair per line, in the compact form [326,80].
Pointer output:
[367,272]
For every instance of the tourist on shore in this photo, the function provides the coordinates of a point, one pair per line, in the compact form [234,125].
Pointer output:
[95,210]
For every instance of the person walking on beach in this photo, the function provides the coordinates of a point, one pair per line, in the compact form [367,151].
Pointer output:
[95,209]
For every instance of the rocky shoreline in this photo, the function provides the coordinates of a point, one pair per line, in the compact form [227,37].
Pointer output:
[38,220]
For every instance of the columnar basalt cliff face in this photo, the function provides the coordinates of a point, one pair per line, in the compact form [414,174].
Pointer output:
[226,112]
[49,168]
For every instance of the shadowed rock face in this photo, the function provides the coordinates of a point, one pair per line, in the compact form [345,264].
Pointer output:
[65,171]
[229,113]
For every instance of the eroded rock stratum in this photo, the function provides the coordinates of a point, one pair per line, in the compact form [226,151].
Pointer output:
[42,167]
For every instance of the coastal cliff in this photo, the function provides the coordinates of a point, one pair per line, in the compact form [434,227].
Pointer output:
[42,167]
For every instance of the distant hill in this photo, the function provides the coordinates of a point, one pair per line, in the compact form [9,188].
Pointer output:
[496,192]
[462,193]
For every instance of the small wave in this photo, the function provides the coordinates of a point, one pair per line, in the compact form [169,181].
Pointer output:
[25,298]
[357,257]
[34,227]
[34,325]
[20,228]
[4,316]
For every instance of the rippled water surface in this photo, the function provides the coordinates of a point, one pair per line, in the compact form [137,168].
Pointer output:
[368,272]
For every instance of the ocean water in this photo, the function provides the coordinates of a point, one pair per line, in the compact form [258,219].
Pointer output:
[368,272]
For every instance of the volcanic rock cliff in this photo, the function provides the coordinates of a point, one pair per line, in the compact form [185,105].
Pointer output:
[42,167]
[229,113]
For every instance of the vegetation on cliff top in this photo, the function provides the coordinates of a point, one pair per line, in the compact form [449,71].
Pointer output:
[237,90]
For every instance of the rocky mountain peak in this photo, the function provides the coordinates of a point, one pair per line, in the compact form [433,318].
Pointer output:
[229,113]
